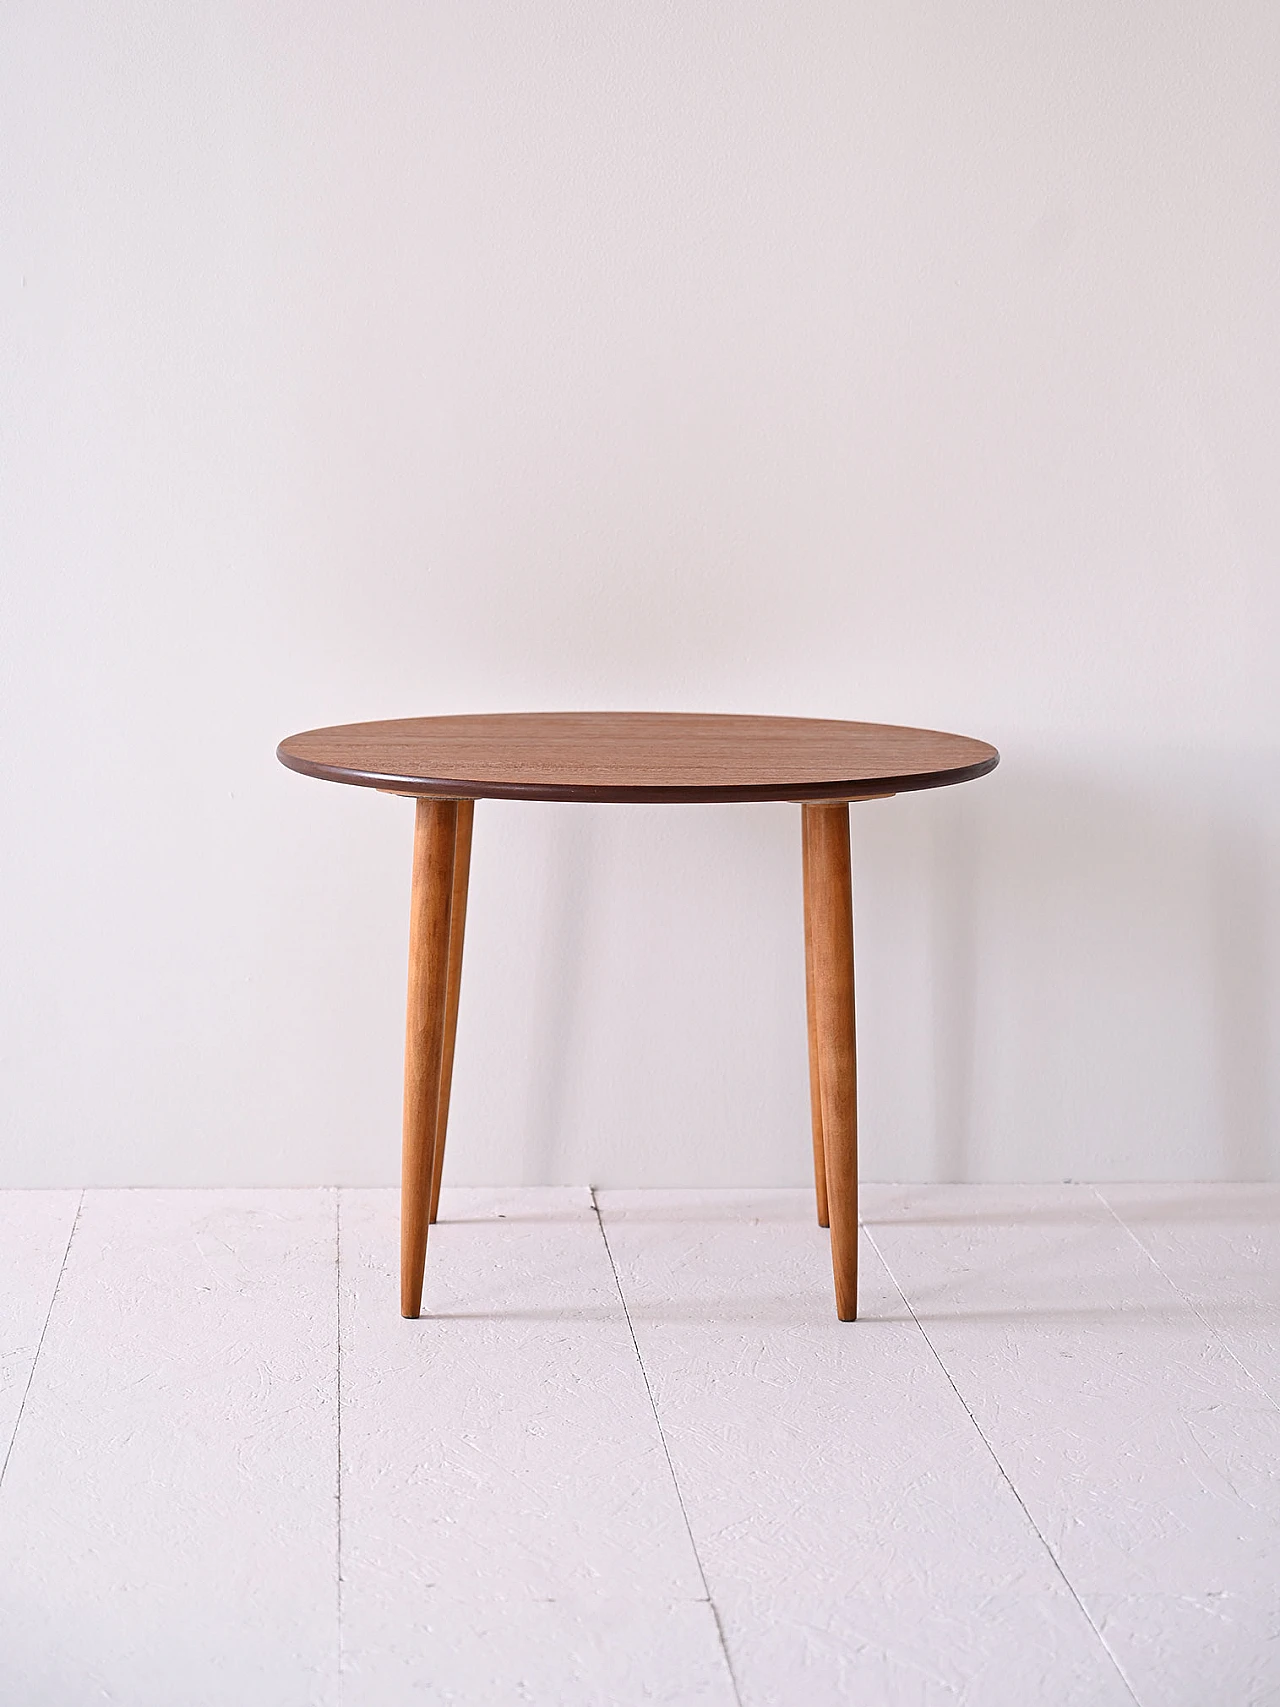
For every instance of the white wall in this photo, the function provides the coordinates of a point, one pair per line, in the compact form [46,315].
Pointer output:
[915,362]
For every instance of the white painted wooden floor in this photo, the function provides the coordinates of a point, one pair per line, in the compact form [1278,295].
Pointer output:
[632,1457]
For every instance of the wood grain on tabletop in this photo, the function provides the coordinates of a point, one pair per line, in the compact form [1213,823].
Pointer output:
[636,756]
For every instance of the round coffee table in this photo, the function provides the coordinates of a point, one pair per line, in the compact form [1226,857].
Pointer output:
[448,763]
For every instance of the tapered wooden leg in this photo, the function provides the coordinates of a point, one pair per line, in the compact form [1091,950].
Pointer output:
[811,1008]
[434,840]
[831,899]
[457,928]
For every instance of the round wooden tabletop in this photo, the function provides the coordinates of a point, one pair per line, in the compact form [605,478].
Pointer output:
[636,756]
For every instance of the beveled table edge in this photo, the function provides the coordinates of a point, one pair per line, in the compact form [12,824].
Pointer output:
[454,788]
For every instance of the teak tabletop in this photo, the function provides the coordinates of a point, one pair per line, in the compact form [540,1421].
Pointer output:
[636,755]
[448,763]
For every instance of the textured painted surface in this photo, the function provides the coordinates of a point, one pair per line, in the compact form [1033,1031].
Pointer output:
[35,1227]
[510,1527]
[1219,1245]
[859,1539]
[1050,1464]
[168,1519]
[1145,1453]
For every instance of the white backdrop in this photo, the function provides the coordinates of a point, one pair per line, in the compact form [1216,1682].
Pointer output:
[914,362]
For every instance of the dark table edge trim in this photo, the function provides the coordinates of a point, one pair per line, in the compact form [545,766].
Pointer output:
[452,788]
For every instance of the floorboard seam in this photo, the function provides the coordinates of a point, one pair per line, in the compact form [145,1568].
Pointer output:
[31,1373]
[666,1452]
[1190,1303]
[337,1248]
[1004,1474]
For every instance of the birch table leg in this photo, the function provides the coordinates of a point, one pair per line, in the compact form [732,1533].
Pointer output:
[434,842]
[811,1009]
[457,928]
[831,897]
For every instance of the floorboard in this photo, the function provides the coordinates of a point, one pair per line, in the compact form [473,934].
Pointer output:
[35,1227]
[168,1519]
[1144,1452]
[859,1540]
[1220,1247]
[510,1527]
